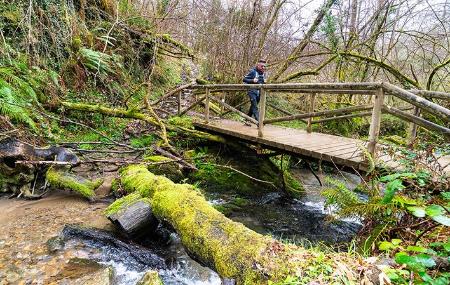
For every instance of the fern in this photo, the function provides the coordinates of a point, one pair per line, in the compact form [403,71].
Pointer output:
[339,195]
[96,61]
[19,89]
[13,104]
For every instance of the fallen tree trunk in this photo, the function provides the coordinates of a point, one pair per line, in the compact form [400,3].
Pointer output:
[230,248]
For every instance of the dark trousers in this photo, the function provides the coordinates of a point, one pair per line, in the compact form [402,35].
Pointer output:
[254,101]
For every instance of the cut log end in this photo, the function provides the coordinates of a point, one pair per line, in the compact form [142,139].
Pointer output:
[135,220]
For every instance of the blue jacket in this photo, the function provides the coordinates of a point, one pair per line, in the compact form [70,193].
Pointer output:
[252,74]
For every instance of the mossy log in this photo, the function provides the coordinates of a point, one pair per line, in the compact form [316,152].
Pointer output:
[230,248]
[62,179]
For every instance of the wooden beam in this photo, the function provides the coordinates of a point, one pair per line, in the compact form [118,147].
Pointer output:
[413,127]
[207,106]
[306,86]
[312,103]
[375,123]
[432,94]
[262,111]
[320,113]
[226,106]
[200,100]
[417,120]
[362,114]
[418,101]
[295,90]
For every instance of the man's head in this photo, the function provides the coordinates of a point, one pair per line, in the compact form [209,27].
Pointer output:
[261,65]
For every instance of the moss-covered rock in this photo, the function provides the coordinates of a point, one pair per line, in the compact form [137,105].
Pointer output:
[150,278]
[171,170]
[62,179]
[234,205]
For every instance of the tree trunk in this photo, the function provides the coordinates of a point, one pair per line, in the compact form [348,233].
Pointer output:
[230,248]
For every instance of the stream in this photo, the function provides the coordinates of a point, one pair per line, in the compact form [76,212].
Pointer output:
[42,244]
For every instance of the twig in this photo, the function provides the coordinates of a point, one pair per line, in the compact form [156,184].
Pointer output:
[8,132]
[45,162]
[173,157]
[34,183]
[107,150]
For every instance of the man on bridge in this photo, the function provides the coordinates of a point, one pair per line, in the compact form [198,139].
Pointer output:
[255,76]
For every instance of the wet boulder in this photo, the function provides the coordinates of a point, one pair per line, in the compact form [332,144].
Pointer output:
[151,277]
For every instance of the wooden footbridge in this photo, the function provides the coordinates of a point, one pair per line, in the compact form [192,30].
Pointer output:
[355,153]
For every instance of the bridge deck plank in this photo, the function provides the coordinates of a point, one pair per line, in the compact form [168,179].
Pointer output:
[339,150]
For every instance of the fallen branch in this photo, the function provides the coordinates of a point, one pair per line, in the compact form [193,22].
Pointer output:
[46,162]
[175,158]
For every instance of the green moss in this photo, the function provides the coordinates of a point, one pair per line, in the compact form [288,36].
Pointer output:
[142,141]
[234,205]
[150,278]
[156,158]
[233,250]
[124,202]
[225,180]
[62,179]
[171,170]
[184,121]
[396,140]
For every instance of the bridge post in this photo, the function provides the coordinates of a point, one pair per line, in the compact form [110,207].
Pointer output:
[207,106]
[374,130]
[262,111]
[179,102]
[413,127]
[311,110]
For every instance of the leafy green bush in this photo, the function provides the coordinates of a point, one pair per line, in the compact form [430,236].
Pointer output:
[402,208]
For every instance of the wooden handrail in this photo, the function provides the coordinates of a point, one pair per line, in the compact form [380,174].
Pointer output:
[199,101]
[305,86]
[225,105]
[418,101]
[320,113]
[416,120]
[431,94]
[379,89]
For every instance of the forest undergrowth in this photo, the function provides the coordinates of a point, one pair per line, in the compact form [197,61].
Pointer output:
[104,52]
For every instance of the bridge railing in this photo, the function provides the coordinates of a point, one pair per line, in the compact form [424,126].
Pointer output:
[378,90]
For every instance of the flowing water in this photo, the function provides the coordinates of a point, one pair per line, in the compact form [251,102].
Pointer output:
[37,247]
[306,219]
